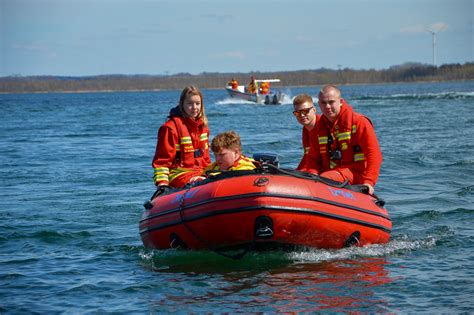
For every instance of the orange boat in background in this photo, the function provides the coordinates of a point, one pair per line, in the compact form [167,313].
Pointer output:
[268,207]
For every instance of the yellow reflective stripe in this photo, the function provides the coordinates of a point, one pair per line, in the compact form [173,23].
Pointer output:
[212,167]
[244,164]
[358,157]
[160,174]
[344,136]
[306,150]
[203,137]
[176,172]
[354,128]
[160,178]
[162,170]
[332,164]
[177,146]
[186,140]
[323,140]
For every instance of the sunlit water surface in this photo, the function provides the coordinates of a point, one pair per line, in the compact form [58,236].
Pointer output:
[76,169]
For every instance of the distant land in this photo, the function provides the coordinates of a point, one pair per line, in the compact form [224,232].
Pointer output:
[407,72]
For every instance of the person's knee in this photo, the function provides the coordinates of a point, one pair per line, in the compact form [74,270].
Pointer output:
[334,175]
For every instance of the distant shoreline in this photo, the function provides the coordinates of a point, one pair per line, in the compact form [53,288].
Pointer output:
[407,73]
[218,88]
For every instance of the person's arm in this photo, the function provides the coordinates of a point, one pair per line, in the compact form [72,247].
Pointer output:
[206,151]
[165,155]
[372,153]
[313,158]
[305,142]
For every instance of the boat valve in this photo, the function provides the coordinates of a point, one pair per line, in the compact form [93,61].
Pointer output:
[263,227]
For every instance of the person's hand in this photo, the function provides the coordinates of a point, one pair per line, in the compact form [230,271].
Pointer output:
[160,189]
[196,179]
[370,187]
[162,184]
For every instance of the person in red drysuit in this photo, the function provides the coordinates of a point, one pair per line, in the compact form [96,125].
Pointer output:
[346,147]
[182,149]
[305,113]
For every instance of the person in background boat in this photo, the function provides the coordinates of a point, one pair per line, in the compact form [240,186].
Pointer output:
[227,150]
[305,113]
[252,87]
[182,149]
[346,147]
[234,84]
[264,87]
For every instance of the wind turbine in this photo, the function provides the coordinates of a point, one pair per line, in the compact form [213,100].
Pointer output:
[433,33]
[433,30]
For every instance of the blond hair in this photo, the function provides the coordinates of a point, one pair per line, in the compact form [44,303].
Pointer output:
[192,90]
[329,87]
[302,98]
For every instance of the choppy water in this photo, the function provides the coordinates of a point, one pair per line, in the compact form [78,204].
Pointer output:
[75,171]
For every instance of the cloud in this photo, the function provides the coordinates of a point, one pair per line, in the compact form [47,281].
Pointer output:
[304,39]
[413,29]
[440,26]
[417,29]
[29,47]
[230,55]
[220,18]
[32,48]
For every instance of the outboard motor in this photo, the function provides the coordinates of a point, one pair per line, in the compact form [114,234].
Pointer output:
[267,158]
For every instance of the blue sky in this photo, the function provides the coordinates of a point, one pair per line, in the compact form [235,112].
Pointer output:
[85,37]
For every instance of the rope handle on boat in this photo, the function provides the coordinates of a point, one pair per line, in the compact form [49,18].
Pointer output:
[359,188]
[160,190]
[316,178]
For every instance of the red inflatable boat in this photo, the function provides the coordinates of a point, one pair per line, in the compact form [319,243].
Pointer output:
[265,208]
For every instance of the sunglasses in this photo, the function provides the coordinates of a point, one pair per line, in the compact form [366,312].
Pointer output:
[304,111]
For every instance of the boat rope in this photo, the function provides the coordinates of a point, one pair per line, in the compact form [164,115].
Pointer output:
[316,178]
[358,188]
[206,244]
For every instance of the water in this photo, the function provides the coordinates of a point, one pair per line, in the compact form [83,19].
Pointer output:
[76,171]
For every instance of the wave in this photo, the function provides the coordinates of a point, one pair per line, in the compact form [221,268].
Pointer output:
[50,236]
[395,246]
[462,163]
[203,261]
[465,190]
[230,100]
[286,99]
[436,214]
[425,96]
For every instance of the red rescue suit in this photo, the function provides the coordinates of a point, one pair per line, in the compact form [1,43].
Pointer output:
[182,150]
[305,139]
[348,146]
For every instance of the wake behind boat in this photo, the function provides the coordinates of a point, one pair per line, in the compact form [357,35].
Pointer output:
[268,207]
[268,97]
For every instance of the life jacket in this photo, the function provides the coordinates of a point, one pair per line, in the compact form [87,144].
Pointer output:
[338,143]
[264,86]
[187,156]
[252,87]
[242,164]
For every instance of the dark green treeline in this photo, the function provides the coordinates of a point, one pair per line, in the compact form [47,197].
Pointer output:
[409,72]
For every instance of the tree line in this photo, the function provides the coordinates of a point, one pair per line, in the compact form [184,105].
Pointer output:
[408,72]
